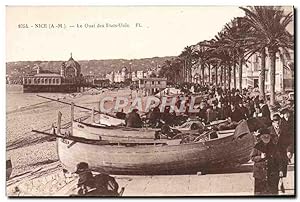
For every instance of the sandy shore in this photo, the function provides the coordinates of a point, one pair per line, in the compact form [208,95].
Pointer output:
[25,112]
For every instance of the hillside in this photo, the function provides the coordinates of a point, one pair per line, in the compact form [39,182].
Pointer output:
[88,67]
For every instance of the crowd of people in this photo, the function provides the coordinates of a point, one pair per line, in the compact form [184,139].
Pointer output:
[274,147]
[216,104]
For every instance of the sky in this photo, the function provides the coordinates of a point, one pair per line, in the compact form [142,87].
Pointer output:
[153,31]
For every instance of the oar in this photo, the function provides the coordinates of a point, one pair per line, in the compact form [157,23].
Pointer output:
[74,138]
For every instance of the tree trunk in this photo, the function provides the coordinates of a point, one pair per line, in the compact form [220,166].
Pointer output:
[216,74]
[221,76]
[191,76]
[209,69]
[224,76]
[199,70]
[234,75]
[229,77]
[272,54]
[240,72]
[282,78]
[203,78]
[262,75]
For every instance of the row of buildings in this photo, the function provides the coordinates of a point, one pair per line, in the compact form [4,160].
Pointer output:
[70,79]
[284,75]
[124,74]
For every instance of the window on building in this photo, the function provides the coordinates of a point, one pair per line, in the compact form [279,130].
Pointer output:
[53,81]
[152,82]
[25,81]
[57,81]
[29,81]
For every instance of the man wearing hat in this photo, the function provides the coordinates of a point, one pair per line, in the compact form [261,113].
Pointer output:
[267,167]
[86,180]
[289,128]
[283,139]
[264,108]
[99,185]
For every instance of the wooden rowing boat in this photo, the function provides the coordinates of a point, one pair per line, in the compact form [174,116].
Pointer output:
[227,150]
[108,120]
[121,133]
[111,133]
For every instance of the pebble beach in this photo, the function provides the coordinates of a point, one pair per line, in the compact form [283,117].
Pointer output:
[26,111]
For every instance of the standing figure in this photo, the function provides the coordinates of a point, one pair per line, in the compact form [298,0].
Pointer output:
[265,111]
[288,123]
[283,140]
[267,165]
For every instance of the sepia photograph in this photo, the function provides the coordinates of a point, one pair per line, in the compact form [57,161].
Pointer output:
[150,101]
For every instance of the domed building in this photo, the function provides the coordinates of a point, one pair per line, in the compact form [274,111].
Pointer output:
[66,81]
[71,68]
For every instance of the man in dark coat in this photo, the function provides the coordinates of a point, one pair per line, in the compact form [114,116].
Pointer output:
[166,116]
[154,117]
[133,119]
[202,112]
[264,108]
[267,168]
[244,110]
[212,112]
[282,139]
[98,185]
[236,114]
[288,125]
[224,111]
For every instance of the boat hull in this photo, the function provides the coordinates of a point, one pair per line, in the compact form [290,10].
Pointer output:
[119,133]
[157,159]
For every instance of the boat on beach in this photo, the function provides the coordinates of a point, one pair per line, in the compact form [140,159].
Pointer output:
[120,133]
[228,149]
[132,151]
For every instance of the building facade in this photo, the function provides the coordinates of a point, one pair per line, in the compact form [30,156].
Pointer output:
[68,79]
[151,86]
[124,74]
[284,73]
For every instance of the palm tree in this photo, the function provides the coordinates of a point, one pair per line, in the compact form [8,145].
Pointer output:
[186,56]
[202,55]
[221,53]
[234,38]
[269,28]
[171,69]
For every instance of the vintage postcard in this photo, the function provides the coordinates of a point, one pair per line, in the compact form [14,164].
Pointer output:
[135,101]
